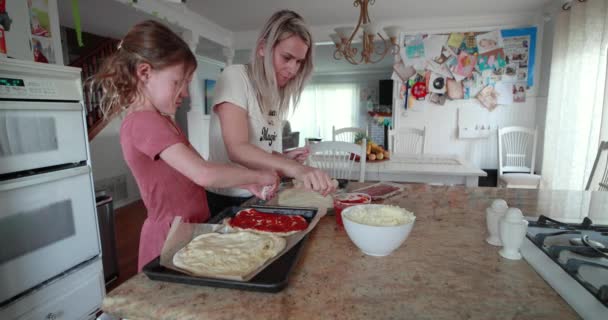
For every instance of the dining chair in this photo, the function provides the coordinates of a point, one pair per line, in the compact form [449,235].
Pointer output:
[598,179]
[346,134]
[338,158]
[516,158]
[407,140]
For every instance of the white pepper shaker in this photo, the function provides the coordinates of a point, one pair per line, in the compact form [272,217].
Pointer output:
[512,229]
[493,214]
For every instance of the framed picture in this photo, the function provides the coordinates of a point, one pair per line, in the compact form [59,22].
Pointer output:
[209,92]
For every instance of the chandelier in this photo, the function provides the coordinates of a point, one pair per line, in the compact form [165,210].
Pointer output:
[371,52]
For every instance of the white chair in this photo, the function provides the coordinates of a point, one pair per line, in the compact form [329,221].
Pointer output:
[337,158]
[598,179]
[346,134]
[516,158]
[406,140]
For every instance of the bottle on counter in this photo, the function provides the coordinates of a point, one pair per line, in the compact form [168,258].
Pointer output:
[512,229]
[493,214]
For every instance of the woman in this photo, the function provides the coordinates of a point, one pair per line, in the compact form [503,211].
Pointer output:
[250,102]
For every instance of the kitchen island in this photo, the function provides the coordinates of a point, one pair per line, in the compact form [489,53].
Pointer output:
[444,270]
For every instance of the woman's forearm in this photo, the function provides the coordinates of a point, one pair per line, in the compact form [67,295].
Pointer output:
[253,157]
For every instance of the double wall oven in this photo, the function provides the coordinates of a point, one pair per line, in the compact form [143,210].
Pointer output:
[50,266]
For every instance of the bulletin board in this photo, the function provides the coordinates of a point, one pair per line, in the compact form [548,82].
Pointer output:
[495,67]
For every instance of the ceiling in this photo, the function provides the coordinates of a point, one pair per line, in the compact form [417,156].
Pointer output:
[232,14]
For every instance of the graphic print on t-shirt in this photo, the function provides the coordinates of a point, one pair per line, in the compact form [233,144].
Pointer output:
[266,136]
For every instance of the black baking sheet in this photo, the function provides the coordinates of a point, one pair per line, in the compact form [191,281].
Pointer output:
[273,278]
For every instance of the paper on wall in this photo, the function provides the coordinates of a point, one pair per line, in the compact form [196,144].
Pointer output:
[489,41]
[504,92]
[455,40]
[433,45]
[413,51]
[488,96]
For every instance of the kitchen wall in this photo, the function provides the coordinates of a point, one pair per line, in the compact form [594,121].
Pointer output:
[191,116]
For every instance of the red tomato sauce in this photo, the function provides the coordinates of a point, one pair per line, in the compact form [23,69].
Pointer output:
[253,219]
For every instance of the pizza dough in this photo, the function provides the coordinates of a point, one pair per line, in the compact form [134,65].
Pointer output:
[230,254]
[296,197]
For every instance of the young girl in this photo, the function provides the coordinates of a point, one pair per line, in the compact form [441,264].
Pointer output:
[250,102]
[148,77]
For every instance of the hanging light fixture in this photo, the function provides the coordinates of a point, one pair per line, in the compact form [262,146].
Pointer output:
[370,52]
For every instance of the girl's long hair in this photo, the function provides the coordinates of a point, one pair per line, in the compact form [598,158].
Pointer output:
[281,25]
[147,42]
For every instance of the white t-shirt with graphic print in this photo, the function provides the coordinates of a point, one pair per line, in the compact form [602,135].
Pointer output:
[234,87]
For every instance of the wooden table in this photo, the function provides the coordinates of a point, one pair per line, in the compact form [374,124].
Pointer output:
[439,169]
[444,270]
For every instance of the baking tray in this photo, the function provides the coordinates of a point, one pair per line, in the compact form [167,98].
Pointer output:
[273,278]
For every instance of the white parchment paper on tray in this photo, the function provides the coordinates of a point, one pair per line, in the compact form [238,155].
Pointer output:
[182,233]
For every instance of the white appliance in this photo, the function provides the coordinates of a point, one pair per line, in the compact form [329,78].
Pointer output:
[50,265]
[573,259]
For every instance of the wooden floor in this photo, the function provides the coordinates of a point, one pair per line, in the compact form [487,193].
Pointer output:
[129,220]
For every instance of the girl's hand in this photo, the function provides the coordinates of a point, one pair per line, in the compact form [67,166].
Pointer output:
[298,154]
[316,180]
[267,186]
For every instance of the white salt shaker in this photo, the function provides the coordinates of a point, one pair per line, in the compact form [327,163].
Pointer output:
[493,214]
[512,229]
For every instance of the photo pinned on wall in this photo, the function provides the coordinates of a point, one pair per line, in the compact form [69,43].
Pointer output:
[488,97]
[43,49]
[466,64]
[39,18]
[413,50]
[469,43]
[455,40]
[519,92]
[490,41]
[492,60]
[209,94]
[520,51]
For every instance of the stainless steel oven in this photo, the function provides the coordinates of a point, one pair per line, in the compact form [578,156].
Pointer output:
[50,252]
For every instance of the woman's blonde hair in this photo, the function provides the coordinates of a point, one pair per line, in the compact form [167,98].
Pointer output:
[280,26]
[147,42]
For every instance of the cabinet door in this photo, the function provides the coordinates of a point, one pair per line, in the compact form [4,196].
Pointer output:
[18,38]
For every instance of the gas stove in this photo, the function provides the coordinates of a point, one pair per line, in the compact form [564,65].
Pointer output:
[573,259]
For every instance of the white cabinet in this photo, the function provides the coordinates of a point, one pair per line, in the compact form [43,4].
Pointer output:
[76,295]
[19,40]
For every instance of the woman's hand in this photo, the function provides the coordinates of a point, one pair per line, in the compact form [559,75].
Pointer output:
[316,180]
[267,186]
[298,154]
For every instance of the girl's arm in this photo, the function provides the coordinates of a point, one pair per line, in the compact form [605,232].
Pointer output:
[209,174]
[236,139]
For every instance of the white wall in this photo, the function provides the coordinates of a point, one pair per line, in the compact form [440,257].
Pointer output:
[441,124]
[197,121]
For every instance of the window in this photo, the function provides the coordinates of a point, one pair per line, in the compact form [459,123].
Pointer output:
[323,106]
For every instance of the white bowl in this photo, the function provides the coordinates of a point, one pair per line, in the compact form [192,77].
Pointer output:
[375,240]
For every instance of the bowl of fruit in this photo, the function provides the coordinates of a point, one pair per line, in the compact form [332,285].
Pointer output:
[374,152]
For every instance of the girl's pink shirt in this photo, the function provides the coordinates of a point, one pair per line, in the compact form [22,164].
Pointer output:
[165,192]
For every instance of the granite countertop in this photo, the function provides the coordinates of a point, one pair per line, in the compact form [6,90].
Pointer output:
[444,270]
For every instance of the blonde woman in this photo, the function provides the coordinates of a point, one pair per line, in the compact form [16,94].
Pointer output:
[250,102]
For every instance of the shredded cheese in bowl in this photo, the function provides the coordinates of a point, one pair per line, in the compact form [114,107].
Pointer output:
[380,215]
